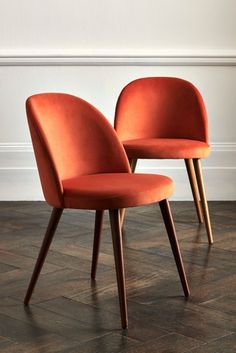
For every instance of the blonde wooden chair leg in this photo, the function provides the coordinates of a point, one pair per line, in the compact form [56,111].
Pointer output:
[199,176]
[194,188]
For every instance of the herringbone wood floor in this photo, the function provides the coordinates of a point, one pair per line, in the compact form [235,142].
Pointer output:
[71,314]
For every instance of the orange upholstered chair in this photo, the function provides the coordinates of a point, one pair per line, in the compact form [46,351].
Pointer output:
[165,118]
[83,165]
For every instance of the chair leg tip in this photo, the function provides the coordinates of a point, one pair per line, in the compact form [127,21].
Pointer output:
[210,240]
[186,291]
[125,326]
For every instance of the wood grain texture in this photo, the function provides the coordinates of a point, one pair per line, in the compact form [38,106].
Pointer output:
[70,313]
[194,188]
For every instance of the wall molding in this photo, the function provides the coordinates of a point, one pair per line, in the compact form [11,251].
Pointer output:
[220,58]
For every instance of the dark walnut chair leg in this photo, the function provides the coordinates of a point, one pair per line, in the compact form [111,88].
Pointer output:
[52,226]
[170,228]
[119,264]
[96,241]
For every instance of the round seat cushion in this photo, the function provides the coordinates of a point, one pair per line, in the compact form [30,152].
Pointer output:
[163,148]
[115,191]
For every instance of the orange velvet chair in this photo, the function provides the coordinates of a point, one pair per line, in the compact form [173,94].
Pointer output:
[83,165]
[165,118]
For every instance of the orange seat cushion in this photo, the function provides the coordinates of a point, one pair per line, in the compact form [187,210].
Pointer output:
[164,148]
[116,190]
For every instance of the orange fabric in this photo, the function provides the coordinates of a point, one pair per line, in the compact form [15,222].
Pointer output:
[166,148]
[161,107]
[71,138]
[114,191]
[81,162]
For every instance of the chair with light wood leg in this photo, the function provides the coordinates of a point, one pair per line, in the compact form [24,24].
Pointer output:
[194,187]
[198,171]
[165,118]
[82,165]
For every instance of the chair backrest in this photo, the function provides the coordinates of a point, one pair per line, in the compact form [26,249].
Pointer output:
[71,138]
[161,107]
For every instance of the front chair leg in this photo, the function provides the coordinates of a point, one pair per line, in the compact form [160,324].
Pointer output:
[170,228]
[133,163]
[119,264]
[96,241]
[52,226]
[194,187]
[198,171]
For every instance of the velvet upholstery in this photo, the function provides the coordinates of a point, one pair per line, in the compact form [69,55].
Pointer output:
[81,162]
[162,117]
[116,190]
[164,148]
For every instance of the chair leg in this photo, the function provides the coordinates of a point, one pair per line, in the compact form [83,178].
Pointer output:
[119,264]
[194,187]
[133,163]
[96,241]
[170,228]
[198,171]
[52,226]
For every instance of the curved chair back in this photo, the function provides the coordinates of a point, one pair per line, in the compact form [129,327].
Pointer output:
[161,107]
[71,138]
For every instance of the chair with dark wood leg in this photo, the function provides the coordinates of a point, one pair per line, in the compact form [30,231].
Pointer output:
[82,165]
[165,118]
[96,241]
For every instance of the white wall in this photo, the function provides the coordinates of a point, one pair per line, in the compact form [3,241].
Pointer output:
[92,49]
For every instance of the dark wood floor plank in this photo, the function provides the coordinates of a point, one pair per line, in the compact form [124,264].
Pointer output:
[226,344]
[171,343]
[111,343]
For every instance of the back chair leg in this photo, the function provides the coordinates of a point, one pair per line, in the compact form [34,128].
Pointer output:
[194,187]
[52,226]
[170,228]
[96,241]
[198,171]
[133,163]
[119,264]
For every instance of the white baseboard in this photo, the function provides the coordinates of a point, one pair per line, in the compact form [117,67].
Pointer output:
[19,177]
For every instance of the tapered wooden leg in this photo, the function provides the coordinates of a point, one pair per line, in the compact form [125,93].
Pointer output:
[194,187]
[133,163]
[52,226]
[96,241]
[122,216]
[119,263]
[199,176]
[170,228]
